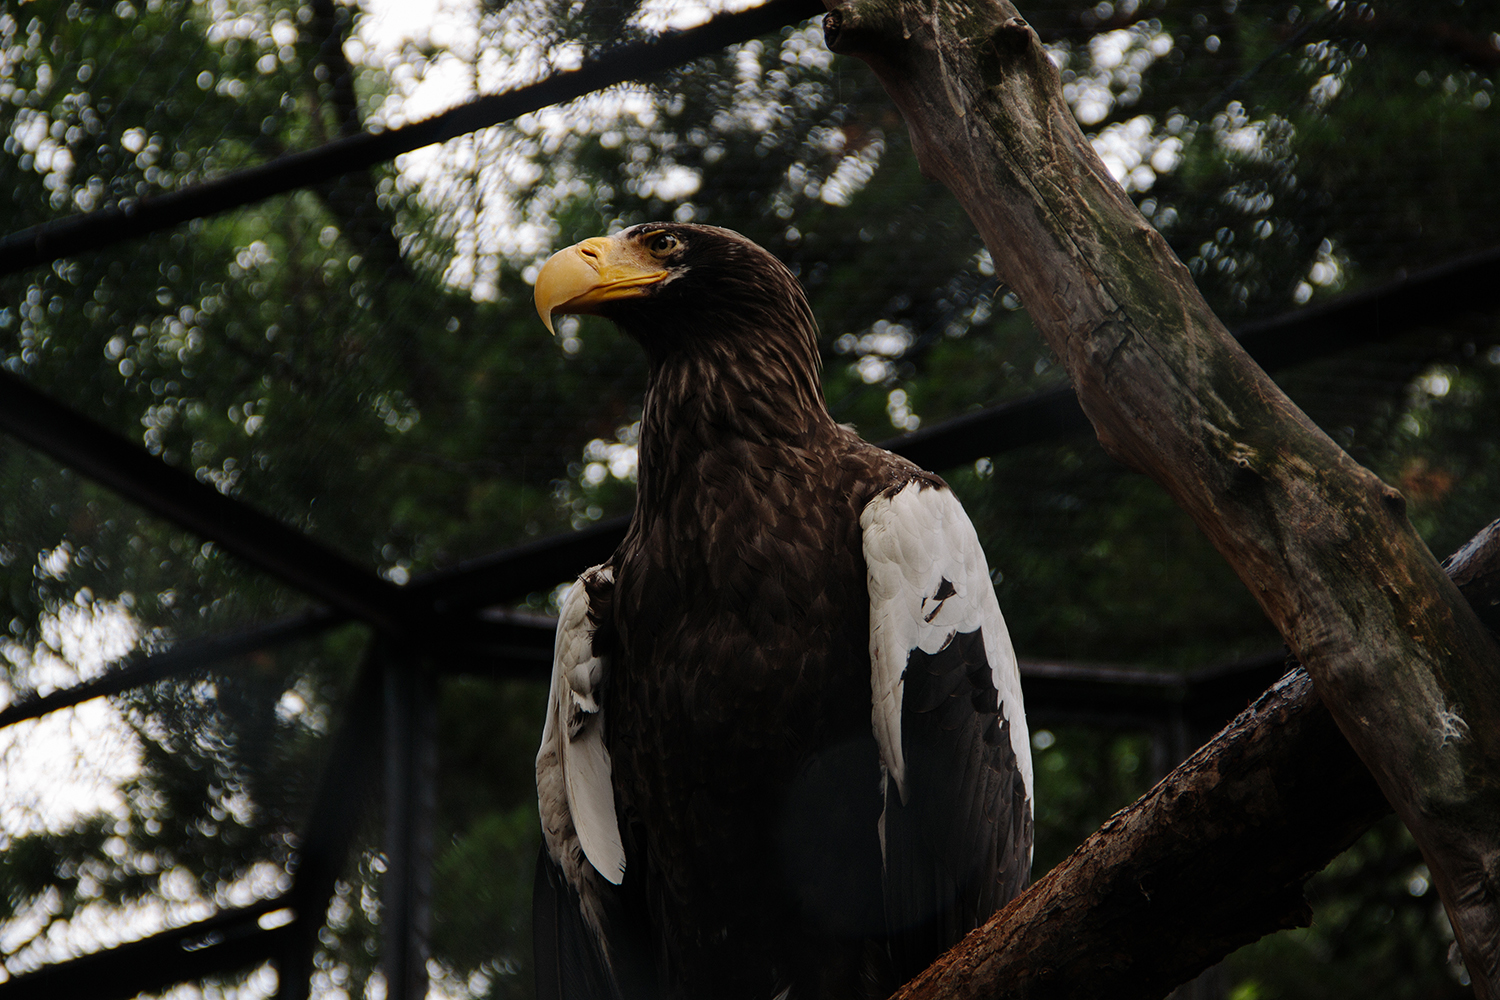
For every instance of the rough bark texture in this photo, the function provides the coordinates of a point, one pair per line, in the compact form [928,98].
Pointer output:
[1212,858]
[1408,672]
[1475,568]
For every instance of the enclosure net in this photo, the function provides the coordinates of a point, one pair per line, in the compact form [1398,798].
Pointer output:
[359,360]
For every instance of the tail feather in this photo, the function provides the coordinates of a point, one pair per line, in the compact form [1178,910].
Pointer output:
[569,965]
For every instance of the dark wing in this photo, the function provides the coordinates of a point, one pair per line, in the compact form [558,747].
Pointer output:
[571,959]
[569,962]
[949,721]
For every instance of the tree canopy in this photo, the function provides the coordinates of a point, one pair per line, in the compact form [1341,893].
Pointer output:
[360,361]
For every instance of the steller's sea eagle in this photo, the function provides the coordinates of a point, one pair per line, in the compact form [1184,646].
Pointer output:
[785,756]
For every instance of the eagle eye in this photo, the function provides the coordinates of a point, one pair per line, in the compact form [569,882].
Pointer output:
[661,244]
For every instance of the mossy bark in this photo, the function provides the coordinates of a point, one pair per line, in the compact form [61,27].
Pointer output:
[1407,671]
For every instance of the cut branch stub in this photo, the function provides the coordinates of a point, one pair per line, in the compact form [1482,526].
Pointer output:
[1475,568]
[1406,669]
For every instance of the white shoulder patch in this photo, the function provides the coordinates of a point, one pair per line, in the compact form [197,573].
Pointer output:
[928,581]
[574,788]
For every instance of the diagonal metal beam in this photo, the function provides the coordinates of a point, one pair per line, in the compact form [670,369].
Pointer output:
[522,641]
[1040,417]
[511,574]
[229,940]
[50,241]
[185,657]
[99,453]
[1431,297]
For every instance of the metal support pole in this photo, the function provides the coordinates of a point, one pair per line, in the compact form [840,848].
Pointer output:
[410,800]
[343,789]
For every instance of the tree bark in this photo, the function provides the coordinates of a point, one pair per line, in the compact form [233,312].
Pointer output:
[1409,674]
[1215,856]
[1475,568]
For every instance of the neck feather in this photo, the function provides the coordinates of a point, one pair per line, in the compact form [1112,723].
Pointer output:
[708,402]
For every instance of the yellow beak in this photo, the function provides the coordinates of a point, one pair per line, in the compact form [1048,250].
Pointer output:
[587,275]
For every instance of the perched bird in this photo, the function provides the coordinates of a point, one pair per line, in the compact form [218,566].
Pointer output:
[785,754]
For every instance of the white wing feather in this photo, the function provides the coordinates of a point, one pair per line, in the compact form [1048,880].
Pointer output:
[574,787]
[913,541]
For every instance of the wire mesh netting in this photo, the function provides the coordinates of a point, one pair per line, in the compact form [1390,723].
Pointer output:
[359,360]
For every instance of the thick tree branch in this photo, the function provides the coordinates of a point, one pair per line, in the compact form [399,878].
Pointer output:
[1215,856]
[1407,671]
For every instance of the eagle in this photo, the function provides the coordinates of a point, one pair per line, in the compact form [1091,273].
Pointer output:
[785,755]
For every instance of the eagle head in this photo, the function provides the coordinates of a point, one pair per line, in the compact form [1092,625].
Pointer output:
[673,285]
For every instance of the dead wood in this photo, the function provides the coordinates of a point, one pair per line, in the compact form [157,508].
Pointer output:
[1216,856]
[1475,568]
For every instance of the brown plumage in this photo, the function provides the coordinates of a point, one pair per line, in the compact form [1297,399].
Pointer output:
[732,630]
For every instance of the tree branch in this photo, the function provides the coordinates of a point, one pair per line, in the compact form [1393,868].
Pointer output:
[1216,856]
[1475,568]
[1407,671]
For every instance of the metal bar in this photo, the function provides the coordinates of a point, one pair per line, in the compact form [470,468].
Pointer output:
[50,241]
[185,657]
[520,647]
[1040,417]
[1056,692]
[347,784]
[1060,693]
[95,451]
[519,640]
[513,573]
[226,941]
[1184,709]
[1218,694]
[410,801]
[1429,298]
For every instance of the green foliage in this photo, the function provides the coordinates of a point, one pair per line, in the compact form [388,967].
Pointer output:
[1378,928]
[1084,774]
[360,360]
[1125,576]
[490,831]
